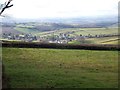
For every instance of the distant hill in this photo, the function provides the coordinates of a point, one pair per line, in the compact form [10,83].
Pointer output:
[72,20]
[50,24]
[115,25]
[10,30]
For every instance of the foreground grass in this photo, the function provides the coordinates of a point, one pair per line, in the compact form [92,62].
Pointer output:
[44,68]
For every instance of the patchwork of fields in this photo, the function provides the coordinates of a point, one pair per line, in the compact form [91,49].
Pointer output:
[73,32]
[56,68]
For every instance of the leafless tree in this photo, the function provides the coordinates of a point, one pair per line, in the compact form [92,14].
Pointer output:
[6,6]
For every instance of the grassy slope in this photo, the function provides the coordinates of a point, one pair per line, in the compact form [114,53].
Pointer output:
[60,68]
[86,31]
[26,30]
[112,42]
[97,31]
[105,40]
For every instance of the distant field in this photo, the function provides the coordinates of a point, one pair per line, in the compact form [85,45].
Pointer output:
[112,42]
[85,31]
[97,31]
[55,68]
[26,30]
[105,40]
[9,30]
[77,31]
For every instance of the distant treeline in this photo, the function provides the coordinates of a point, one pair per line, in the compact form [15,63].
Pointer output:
[60,46]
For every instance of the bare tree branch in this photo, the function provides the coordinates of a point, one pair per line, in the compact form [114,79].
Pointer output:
[9,6]
[6,6]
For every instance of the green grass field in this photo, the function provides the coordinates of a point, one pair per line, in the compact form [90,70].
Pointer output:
[26,30]
[97,31]
[85,31]
[46,68]
[105,40]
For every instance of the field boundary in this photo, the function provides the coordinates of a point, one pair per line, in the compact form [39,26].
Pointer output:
[110,40]
[60,46]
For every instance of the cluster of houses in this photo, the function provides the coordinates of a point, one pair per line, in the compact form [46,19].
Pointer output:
[53,38]
[22,37]
[68,37]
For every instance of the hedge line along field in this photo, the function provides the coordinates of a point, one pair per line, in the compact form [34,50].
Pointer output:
[60,68]
[18,44]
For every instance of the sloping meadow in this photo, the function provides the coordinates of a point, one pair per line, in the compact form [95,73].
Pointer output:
[60,68]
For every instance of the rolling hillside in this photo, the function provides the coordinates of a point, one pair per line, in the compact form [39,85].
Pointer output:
[47,30]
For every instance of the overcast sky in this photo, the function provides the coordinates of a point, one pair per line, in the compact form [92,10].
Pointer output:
[61,8]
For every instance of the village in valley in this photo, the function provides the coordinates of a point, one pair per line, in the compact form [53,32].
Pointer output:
[61,33]
[62,38]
